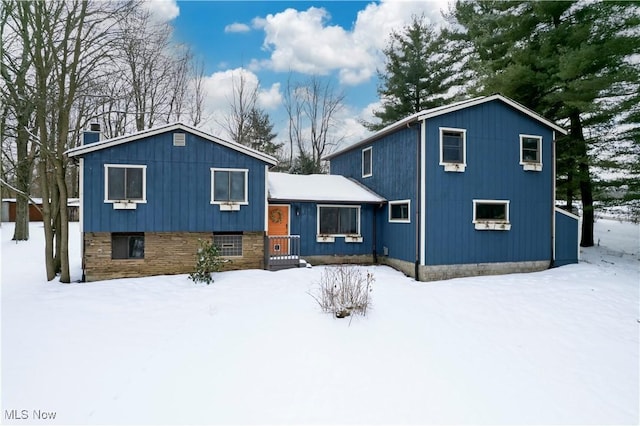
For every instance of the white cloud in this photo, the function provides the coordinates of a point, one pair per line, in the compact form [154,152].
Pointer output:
[219,93]
[303,41]
[162,10]
[271,98]
[237,27]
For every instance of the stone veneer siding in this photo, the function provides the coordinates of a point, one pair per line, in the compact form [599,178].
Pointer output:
[165,253]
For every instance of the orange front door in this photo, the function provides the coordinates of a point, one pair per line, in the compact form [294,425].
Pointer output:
[278,226]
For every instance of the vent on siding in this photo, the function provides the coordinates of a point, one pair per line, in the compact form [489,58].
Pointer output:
[179,139]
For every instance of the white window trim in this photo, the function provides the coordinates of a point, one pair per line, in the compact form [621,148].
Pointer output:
[408,203]
[365,175]
[125,204]
[454,167]
[230,205]
[529,165]
[492,225]
[329,238]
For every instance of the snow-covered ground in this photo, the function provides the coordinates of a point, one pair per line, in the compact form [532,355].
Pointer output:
[558,346]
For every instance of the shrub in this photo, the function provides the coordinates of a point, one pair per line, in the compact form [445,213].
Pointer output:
[344,290]
[208,260]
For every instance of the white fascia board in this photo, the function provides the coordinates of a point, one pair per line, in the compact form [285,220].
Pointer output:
[84,149]
[566,213]
[478,101]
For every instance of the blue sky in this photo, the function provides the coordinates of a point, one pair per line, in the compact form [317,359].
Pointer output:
[270,41]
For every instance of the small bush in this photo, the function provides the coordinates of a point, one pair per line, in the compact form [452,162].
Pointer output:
[344,290]
[208,260]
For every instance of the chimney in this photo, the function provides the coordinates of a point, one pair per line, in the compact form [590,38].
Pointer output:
[92,135]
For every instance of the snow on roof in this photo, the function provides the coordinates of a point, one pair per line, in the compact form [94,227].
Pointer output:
[334,188]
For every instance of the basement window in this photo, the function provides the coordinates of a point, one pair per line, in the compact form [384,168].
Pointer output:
[127,246]
[229,245]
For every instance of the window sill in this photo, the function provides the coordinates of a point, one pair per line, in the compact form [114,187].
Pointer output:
[531,167]
[125,205]
[325,239]
[454,167]
[353,239]
[492,226]
[229,207]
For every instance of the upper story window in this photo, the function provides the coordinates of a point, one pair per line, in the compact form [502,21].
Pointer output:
[491,215]
[229,188]
[531,152]
[399,211]
[367,162]
[125,183]
[453,149]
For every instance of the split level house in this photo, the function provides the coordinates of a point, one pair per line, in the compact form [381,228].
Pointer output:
[464,189]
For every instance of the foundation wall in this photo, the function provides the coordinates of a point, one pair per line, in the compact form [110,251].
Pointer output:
[165,253]
[446,272]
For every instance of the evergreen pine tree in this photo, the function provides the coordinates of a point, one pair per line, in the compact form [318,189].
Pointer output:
[260,134]
[565,60]
[419,73]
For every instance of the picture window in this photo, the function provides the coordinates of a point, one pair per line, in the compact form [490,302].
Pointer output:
[338,220]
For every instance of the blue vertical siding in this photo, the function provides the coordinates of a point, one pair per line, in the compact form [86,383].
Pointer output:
[178,188]
[303,222]
[566,241]
[493,171]
[394,178]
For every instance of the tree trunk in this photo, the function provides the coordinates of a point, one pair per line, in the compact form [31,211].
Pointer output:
[46,216]
[21,230]
[584,178]
[23,184]
[62,230]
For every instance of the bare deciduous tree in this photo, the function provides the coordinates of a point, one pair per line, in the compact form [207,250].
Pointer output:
[312,107]
[243,101]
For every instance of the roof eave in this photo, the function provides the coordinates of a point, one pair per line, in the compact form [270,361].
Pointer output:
[96,146]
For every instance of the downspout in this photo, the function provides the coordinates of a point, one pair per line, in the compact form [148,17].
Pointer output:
[374,232]
[553,201]
[417,207]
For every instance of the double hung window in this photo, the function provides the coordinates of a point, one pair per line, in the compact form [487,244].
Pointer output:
[453,146]
[531,152]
